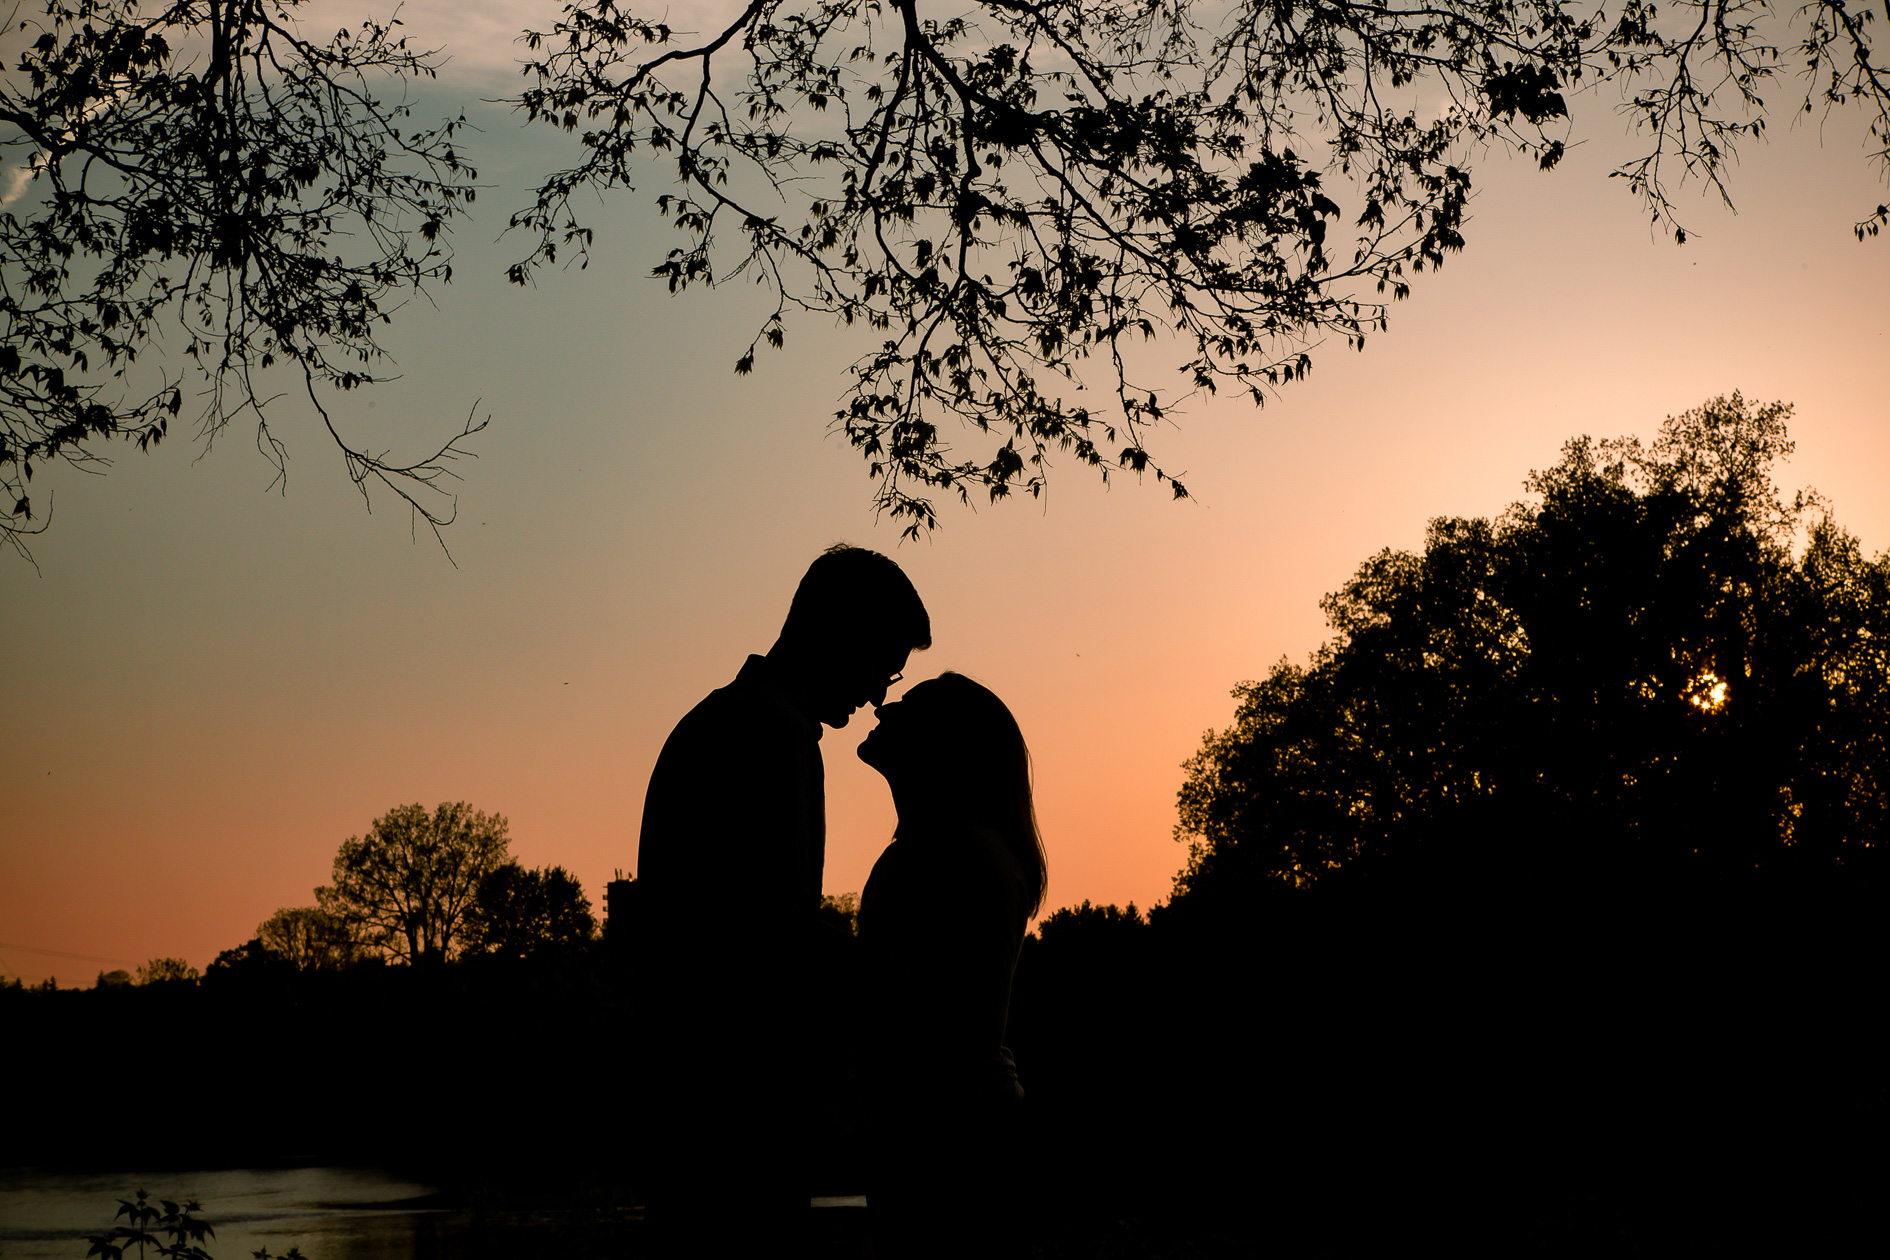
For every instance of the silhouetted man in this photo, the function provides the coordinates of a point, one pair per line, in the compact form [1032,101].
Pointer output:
[734,958]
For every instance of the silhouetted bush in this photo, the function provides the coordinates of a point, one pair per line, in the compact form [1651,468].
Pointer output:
[250,965]
[405,889]
[519,913]
[310,938]
[1094,926]
[174,971]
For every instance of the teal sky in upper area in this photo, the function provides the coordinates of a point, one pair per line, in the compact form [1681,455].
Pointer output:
[209,685]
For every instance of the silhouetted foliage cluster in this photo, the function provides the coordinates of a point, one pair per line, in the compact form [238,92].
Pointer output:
[520,913]
[279,1063]
[167,971]
[1655,674]
[249,965]
[202,167]
[407,888]
[420,888]
[1079,999]
[1095,927]
[310,938]
[158,972]
[1015,194]
[166,1229]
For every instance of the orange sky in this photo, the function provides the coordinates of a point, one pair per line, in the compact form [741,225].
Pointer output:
[209,687]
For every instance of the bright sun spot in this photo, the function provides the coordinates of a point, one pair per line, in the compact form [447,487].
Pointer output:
[1708,692]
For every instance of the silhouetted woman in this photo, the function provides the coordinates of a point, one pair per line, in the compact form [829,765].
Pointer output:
[941,922]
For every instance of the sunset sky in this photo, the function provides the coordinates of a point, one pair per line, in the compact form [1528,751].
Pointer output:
[209,685]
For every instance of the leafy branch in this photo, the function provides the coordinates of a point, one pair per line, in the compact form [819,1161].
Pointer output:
[170,1231]
[201,166]
[1010,195]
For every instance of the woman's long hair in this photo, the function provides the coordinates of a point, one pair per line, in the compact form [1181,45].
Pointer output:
[992,765]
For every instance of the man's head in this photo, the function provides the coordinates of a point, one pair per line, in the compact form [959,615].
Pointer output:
[854,621]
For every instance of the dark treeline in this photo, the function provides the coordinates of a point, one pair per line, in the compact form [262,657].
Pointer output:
[260,1062]
[435,1010]
[1543,907]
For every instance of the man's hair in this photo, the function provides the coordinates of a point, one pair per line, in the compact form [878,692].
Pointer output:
[850,589]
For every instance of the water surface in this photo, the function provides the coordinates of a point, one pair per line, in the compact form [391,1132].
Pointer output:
[328,1213]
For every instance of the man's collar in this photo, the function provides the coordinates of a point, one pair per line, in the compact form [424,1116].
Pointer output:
[759,671]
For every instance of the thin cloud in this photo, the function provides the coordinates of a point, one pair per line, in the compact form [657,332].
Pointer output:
[479,37]
[13,183]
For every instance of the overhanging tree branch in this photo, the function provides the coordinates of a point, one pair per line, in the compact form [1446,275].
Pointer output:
[1008,193]
[200,166]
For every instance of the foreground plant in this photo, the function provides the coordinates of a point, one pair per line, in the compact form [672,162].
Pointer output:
[162,1229]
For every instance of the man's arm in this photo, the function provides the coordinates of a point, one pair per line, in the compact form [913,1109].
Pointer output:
[722,826]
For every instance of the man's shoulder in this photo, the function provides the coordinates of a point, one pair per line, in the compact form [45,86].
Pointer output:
[743,712]
[750,694]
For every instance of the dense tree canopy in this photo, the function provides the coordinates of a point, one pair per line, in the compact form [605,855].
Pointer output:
[167,971]
[309,938]
[407,887]
[520,913]
[1012,191]
[1656,672]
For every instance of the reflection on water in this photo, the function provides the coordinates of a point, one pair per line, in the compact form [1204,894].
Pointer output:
[330,1213]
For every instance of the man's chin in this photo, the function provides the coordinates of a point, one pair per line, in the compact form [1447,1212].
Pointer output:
[838,718]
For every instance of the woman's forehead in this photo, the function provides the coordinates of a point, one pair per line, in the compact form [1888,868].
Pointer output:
[947,690]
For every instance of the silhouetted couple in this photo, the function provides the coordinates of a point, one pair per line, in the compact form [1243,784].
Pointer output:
[746,984]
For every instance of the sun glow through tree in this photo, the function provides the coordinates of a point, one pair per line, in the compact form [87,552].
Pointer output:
[1708,692]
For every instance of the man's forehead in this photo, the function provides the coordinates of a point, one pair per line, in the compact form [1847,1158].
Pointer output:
[870,657]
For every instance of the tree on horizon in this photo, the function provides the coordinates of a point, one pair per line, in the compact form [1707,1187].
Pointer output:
[309,938]
[407,888]
[520,913]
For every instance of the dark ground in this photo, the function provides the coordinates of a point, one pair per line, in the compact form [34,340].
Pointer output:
[1566,1083]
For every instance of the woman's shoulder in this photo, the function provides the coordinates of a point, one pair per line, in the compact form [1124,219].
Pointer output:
[994,852]
[985,870]
[957,853]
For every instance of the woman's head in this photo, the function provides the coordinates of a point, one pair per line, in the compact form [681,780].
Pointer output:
[952,745]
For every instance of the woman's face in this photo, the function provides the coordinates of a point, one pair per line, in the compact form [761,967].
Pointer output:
[906,738]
